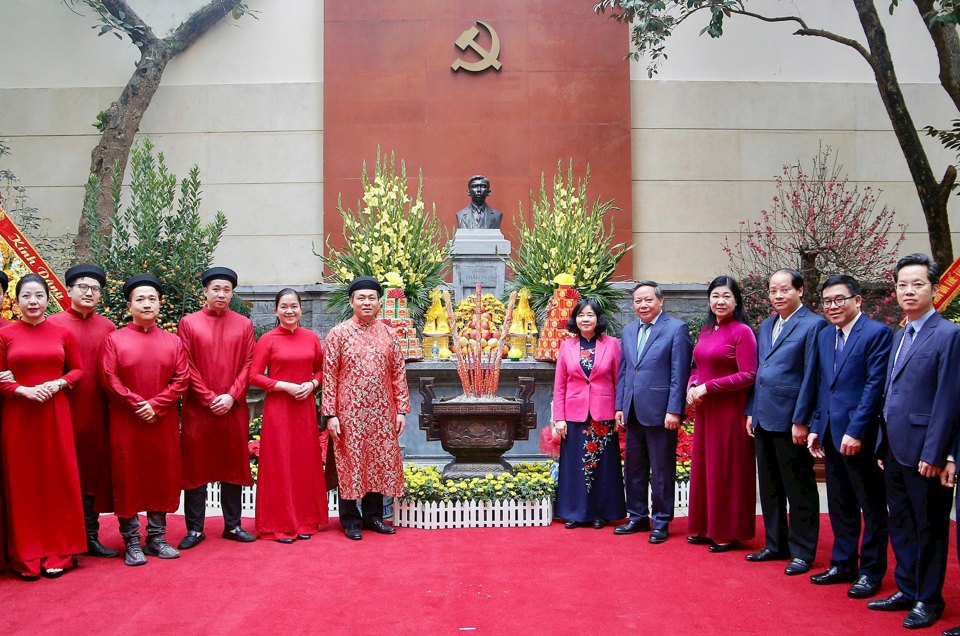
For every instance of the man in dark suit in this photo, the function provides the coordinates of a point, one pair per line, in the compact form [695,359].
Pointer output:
[478,215]
[948,478]
[853,359]
[778,416]
[920,414]
[651,395]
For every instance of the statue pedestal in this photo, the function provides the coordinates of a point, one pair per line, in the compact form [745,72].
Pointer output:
[477,260]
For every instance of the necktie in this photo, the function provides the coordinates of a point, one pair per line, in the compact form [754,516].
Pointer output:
[642,339]
[777,328]
[904,348]
[477,216]
[838,349]
[898,363]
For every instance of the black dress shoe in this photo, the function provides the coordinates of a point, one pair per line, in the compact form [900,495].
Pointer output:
[238,534]
[723,547]
[797,566]
[923,615]
[378,526]
[353,534]
[865,587]
[951,632]
[659,535]
[285,540]
[97,549]
[632,526]
[896,602]
[570,524]
[766,554]
[598,524]
[835,575]
[303,537]
[29,578]
[192,540]
[696,539]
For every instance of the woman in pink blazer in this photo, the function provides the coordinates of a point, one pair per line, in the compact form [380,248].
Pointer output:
[590,485]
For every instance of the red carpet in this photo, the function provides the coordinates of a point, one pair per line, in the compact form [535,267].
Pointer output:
[468,582]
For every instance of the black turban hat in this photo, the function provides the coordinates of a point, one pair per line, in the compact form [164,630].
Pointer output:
[365,282]
[142,280]
[85,270]
[219,273]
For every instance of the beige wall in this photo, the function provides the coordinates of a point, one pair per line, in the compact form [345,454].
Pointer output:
[705,155]
[246,104]
[716,125]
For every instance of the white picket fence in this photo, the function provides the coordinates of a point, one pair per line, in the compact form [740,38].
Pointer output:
[681,504]
[248,501]
[472,514]
[430,516]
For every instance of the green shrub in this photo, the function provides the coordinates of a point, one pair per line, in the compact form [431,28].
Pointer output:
[157,233]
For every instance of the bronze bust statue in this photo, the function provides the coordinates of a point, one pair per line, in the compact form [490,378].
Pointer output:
[478,215]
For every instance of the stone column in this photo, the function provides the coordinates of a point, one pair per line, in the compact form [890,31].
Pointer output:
[477,260]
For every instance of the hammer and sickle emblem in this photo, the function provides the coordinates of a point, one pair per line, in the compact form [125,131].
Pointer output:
[488,59]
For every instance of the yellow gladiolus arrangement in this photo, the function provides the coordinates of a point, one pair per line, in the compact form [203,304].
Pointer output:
[568,236]
[389,233]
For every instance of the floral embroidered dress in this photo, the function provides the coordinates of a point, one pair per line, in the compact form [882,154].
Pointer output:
[365,386]
[590,484]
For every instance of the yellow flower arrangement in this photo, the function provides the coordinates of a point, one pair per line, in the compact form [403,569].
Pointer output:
[531,481]
[569,236]
[389,233]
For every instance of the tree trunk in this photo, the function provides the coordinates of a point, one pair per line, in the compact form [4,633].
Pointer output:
[931,193]
[122,119]
[811,277]
[947,42]
[121,123]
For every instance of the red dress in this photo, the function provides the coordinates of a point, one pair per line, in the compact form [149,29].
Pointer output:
[291,490]
[723,502]
[365,386]
[44,512]
[138,365]
[88,405]
[3,551]
[220,350]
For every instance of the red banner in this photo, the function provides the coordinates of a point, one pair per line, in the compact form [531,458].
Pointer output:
[949,286]
[26,254]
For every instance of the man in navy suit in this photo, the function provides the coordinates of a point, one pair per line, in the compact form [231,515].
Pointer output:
[651,396]
[853,358]
[920,415]
[778,416]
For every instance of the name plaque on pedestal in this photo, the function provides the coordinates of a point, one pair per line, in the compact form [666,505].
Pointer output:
[477,260]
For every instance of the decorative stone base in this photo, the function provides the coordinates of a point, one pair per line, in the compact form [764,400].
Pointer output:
[472,514]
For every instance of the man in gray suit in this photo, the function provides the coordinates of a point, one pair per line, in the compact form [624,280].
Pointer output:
[651,397]
[778,416]
[478,215]
[920,417]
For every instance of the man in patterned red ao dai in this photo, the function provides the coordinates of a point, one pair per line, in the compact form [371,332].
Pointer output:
[365,397]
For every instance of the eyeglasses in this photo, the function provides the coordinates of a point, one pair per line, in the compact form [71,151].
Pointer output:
[905,286]
[84,287]
[839,301]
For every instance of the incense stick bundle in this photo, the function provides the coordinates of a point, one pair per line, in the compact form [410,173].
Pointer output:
[495,379]
[452,322]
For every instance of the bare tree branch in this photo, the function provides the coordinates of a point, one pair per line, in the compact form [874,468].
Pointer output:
[121,121]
